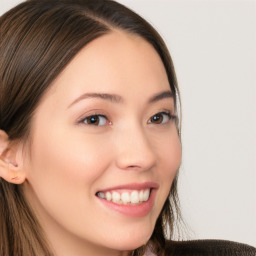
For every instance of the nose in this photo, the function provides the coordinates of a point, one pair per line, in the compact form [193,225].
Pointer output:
[134,150]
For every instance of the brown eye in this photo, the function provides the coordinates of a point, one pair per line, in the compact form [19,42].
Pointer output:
[157,119]
[161,118]
[97,120]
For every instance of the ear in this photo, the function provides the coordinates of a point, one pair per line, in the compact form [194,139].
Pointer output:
[11,162]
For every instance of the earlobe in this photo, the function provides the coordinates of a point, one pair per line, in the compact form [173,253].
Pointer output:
[10,169]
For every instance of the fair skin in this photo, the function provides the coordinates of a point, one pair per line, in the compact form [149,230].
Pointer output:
[131,139]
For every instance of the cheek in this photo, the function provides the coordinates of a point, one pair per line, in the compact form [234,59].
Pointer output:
[168,149]
[62,172]
[63,156]
[173,159]
[173,155]
[64,169]
[169,154]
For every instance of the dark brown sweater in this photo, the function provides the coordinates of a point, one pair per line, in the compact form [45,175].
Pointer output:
[208,248]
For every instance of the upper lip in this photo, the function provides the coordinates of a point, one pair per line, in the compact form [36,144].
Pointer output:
[134,186]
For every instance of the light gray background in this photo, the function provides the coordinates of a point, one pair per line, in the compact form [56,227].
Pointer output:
[213,45]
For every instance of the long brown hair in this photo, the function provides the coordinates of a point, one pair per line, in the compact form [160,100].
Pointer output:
[38,38]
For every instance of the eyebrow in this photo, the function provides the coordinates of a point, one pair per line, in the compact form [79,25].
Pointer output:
[161,96]
[118,99]
[105,96]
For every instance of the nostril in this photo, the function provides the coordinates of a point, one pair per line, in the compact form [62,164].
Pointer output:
[134,167]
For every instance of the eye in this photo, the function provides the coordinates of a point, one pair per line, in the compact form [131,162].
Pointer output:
[161,118]
[97,120]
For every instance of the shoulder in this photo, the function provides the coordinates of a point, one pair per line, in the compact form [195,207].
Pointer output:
[209,248]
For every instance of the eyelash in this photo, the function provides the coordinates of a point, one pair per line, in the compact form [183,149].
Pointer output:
[165,114]
[97,118]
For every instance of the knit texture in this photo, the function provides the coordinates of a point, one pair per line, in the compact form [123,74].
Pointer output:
[208,248]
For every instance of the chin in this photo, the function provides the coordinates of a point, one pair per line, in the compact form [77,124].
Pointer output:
[130,241]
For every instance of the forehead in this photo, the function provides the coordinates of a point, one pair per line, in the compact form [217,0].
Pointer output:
[119,63]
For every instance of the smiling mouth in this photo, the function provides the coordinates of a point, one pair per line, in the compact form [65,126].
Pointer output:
[131,197]
[132,200]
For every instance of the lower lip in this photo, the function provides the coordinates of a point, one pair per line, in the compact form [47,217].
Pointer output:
[132,210]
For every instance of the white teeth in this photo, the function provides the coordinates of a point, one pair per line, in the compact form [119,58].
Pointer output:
[133,197]
[146,195]
[108,196]
[116,197]
[141,195]
[125,197]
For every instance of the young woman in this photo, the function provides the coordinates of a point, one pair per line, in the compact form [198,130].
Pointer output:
[89,134]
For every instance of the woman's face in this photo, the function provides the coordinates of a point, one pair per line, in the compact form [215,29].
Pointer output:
[104,148]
